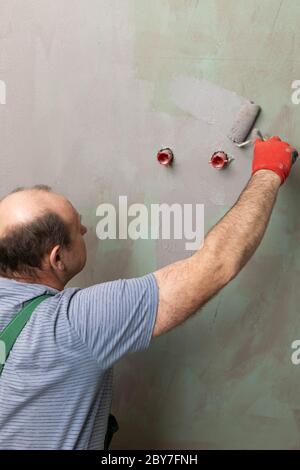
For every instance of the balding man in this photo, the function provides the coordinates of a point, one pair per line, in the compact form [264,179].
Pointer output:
[56,384]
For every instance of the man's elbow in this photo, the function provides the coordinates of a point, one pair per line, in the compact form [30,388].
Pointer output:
[220,266]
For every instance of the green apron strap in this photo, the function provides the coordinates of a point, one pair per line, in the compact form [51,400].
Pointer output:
[11,332]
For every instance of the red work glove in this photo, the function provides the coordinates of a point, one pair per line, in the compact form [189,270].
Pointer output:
[274,155]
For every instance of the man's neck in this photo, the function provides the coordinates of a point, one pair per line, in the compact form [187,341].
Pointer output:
[48,281]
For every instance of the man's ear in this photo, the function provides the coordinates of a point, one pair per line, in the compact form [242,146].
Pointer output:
[56,258]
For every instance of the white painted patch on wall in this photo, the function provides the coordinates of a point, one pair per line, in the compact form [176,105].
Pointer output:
[205,101]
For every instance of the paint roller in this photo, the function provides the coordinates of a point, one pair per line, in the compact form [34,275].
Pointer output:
[243,125]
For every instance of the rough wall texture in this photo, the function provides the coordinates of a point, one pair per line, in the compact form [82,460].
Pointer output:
[94,88]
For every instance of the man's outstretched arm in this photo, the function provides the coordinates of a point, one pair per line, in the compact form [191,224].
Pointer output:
[187,285]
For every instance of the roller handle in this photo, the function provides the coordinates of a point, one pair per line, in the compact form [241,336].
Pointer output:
[295,155]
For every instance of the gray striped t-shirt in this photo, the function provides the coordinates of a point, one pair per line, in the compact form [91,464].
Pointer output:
[56,386]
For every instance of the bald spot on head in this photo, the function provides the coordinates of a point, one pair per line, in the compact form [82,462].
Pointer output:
[25,206]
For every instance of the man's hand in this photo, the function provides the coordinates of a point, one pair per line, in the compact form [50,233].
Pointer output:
[187,285]
[274,155]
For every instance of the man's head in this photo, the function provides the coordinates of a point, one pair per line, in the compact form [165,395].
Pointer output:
[41,237]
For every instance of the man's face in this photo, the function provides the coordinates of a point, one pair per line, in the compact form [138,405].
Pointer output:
[75,254]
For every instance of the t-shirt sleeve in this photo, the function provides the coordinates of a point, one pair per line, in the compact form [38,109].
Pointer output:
[115,318]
